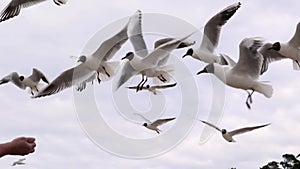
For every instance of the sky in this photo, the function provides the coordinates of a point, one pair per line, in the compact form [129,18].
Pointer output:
[44,36]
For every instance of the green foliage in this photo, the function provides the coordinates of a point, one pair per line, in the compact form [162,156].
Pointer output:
[289,162]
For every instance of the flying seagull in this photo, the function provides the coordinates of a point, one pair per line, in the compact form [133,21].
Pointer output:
[22,82]
[228,135]
[210,40]
[97,63]
[153,125]
[14,7]
[283,50]
[19,162]
[245,74]
[136,38]
[153,88]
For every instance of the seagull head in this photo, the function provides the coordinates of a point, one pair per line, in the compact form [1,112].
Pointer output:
[276,46]
[145,124]
[128,56]
[207,69]
[21,78]
[82,59]
[189,52]
[223,131]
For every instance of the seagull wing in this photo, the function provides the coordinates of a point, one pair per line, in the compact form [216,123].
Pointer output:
[269,56]
[65,80]
[213,27]
[164,86]
[14,78]
[161,121]
[14,8]
[126,73]
[37,75]
[163,51]
[226,60]
[148,121]
[246,129]
[211,125]
[295,41]
[111,46]
[250,60]
[136,35]
[132,87]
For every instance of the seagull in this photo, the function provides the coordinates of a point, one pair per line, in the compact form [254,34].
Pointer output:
[153,125]
[31,81]
[19,162]
[97,63]
[281,50]
[137,64]
[14,7]
[244,75]
[210,40]
[154,88]
[228,135]
[160,72]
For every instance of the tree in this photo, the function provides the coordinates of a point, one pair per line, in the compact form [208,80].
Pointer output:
[289,162]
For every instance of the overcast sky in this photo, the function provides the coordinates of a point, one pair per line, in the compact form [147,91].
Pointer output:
[45,36]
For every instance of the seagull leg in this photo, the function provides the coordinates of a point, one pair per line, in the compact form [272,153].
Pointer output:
[141,87]
[162,78]
[138,86]
[249,99]
[106,71]
[98,78]
[297,63]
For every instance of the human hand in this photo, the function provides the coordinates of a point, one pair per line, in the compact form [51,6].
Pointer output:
[20,146]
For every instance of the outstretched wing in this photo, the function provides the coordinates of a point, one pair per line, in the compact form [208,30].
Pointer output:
[14,7]
[213,27]
[162,121]
[250,60]
[246,129]
[269,56]
[164,86]
[148,121]
[37,75]
[295,41]
[211,125]
[136,35]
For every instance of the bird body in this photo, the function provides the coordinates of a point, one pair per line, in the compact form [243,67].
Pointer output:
[14,7]
[290,49]
[22,82]
[154,125]
[245,74]
[210,40]
[228,135]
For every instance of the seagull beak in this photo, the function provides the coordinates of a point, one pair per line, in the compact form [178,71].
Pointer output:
[185,55]
[123,57]
[202,71]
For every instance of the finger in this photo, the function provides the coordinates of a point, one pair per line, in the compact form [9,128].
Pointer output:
[30,139]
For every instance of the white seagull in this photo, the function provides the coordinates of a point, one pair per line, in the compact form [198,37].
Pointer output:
[281,50]
[19,162]
[161,72]
[136,64]
[154,88]
[210,40]
[228,135]
[245,74]
[97,63]
[14,7]
[153,125]
[22,82]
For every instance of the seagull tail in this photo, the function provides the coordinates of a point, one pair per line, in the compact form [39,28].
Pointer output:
[264,89]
